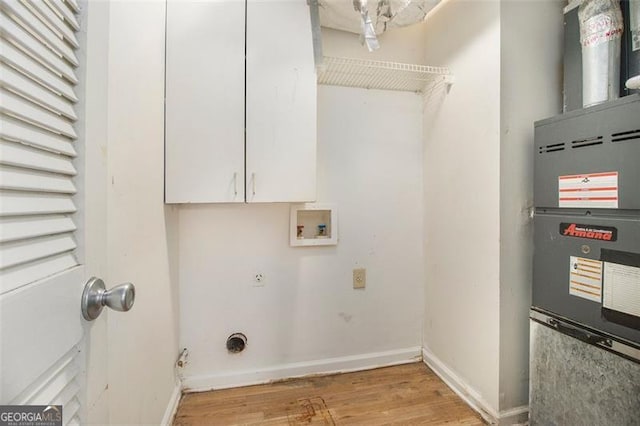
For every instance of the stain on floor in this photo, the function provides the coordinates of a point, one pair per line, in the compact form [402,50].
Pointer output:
[312,411]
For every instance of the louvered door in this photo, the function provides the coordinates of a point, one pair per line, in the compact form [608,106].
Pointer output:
[40,277]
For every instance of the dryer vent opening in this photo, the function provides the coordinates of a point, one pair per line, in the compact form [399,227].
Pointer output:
[236,343]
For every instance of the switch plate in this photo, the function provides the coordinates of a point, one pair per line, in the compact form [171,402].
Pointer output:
[359,278]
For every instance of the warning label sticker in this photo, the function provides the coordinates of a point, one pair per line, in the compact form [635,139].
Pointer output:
[585,278]
[593,190]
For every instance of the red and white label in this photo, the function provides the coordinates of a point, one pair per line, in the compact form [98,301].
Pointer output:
[593,190]
[600,29]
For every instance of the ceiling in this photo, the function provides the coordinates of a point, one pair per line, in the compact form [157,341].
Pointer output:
[384,14]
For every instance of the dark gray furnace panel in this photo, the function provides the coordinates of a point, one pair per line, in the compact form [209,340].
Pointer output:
[586,274]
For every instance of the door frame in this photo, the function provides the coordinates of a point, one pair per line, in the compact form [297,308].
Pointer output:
[92,180]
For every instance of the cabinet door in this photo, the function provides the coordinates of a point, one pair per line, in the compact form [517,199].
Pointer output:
[281,102]
[204,152]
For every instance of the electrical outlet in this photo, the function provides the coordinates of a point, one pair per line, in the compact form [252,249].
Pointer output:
[258,280]
[359,278]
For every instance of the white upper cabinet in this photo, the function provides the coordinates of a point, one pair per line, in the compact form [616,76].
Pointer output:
[281,102]
[204,148]
[216,49]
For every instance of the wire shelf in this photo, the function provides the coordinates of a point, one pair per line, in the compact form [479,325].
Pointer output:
[350,72]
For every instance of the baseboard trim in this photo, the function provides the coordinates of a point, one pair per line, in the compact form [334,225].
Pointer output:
[515,416]
[172,406]
[460,387]
[299,369]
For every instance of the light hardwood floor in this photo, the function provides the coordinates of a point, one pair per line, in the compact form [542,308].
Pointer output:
[409,394]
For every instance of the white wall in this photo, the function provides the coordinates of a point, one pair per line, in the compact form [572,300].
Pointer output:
[143,343]
[462,198]
[506,59]
[531,88]
[369,165]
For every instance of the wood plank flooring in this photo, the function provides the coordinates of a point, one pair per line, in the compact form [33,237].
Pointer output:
[409,394]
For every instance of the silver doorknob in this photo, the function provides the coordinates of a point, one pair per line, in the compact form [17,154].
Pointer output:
[96,296]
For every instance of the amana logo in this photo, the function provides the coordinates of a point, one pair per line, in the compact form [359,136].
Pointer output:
[590,232]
